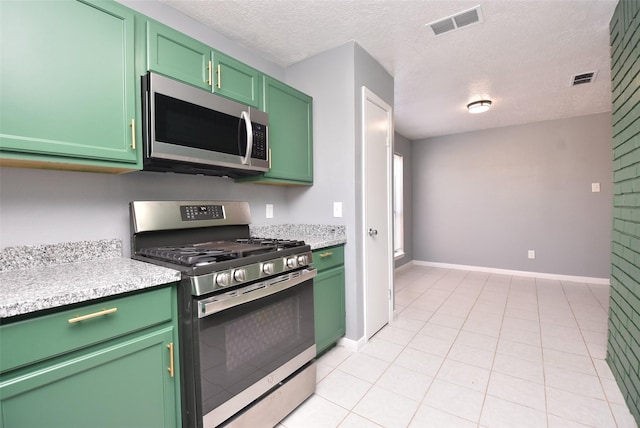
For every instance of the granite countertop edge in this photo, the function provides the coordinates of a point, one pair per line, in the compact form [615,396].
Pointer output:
[27,291]
[324,243]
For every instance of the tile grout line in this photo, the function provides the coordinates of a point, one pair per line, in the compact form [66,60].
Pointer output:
[604,392]
[495,352]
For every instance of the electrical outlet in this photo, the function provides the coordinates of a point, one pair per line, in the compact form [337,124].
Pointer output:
[531,254]
[595,187]
[269,211]
[337,209]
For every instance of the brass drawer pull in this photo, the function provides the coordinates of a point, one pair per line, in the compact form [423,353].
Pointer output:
[93,315]
[327,254]
[170,346]
[209,73]
[219,75]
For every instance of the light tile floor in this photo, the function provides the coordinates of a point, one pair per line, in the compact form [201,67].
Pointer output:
[469,349]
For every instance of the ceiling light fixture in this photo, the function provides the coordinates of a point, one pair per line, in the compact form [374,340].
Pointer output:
[479,106]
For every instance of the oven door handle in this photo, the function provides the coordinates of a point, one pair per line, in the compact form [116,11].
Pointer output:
[253,292]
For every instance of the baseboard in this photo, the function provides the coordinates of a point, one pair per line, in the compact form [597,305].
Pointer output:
[570,278]
[404,267]
[352,345]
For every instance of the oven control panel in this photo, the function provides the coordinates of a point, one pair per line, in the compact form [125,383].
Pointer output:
[201,212]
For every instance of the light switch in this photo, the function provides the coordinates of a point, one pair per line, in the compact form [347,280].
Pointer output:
[595,187]
[269,212]
[337,209]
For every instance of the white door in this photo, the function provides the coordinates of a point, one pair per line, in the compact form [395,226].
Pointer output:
[377,134]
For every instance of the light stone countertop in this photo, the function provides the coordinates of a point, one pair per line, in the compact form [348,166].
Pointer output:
[316,235]
[50,284]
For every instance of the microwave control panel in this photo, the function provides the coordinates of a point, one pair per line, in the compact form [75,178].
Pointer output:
[259,150]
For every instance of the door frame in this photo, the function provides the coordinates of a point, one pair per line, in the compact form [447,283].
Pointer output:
[369,96]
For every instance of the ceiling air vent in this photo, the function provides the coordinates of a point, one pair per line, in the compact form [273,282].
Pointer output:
[582,78]
[454,22]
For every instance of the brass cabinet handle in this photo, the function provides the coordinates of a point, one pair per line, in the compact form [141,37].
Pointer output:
[170,346]
[219,74]
[269,158]
[133,134]
[209,73]
[327,254]
[93,315]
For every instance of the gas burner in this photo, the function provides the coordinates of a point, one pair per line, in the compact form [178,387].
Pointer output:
[278,244]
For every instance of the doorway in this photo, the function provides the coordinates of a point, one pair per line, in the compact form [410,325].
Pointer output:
[377,149]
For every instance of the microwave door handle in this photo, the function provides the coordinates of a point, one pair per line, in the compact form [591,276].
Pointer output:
[247,121]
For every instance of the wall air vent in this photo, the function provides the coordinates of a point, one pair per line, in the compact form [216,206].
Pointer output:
[579,79]
[457,21]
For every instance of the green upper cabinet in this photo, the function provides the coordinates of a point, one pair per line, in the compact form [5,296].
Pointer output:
[290,135]
[183,58]
[68,86]
[236,80]
[173,54]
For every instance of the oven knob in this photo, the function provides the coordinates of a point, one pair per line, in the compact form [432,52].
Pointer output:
[303,260]
[222,279]
[240,275]
[267,268]
[292,262]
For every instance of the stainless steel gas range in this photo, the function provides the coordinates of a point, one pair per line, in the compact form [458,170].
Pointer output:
[246,322]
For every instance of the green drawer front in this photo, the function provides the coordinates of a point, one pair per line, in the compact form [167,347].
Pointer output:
[40,338]
[326,258]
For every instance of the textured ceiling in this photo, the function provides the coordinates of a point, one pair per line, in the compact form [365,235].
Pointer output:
[522,56]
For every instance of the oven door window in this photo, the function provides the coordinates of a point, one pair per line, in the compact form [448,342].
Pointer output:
[241,345]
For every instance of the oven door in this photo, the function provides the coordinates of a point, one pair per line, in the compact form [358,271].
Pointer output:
[250,340]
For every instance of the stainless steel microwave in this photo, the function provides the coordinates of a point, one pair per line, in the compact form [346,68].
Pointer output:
[188,130]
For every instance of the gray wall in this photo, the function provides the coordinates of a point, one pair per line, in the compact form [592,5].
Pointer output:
[485,198]
[334,79]
[403,146]
[44,207]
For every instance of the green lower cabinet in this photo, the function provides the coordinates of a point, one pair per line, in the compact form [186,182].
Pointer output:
[329,297]
[89,370]
[123,385]
[68,86]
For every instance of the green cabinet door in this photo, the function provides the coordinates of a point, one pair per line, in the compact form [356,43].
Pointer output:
[126,384]
[67,83]
[328,296]
[176,55]
[236,80]
[290,135]
[329,307]
[183,58]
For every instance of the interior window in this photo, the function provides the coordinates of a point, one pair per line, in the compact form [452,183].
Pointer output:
[398,203]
